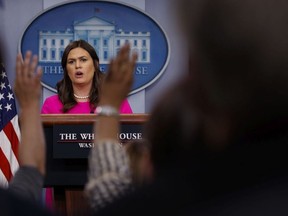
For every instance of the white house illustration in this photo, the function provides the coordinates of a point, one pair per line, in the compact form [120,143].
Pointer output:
[101,34]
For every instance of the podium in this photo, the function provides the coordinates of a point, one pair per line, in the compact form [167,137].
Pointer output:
[69,139]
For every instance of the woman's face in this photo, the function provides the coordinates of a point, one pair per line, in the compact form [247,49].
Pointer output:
[80,67]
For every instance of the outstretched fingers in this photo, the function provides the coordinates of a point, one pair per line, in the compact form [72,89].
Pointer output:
[28,78]
[119,77]
[122,67]
[26,68]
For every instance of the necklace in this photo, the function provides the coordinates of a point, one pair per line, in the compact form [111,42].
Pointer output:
[81,97]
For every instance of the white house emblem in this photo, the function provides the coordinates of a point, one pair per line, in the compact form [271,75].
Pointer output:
[106,26]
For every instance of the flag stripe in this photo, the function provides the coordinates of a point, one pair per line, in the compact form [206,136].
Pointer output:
[5,145]
[3,180]
[15,124]
[5,166]
[12,136]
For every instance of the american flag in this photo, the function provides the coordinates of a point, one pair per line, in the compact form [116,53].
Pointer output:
[9,130]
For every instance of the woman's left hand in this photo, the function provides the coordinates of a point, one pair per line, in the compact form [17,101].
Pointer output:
[119,78]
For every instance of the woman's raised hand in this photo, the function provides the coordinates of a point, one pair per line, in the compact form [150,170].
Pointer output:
[119,78]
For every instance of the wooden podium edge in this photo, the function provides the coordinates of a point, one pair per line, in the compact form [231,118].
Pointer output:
[51,119]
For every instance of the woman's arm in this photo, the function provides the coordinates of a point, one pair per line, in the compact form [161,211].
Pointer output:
[28,180]
[115,89]
[109,174]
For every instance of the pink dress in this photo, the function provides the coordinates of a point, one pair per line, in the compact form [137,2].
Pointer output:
[52,105]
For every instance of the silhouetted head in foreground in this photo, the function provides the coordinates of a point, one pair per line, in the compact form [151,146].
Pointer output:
[239,53]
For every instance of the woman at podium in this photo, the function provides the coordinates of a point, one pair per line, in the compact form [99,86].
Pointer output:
[79,90]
